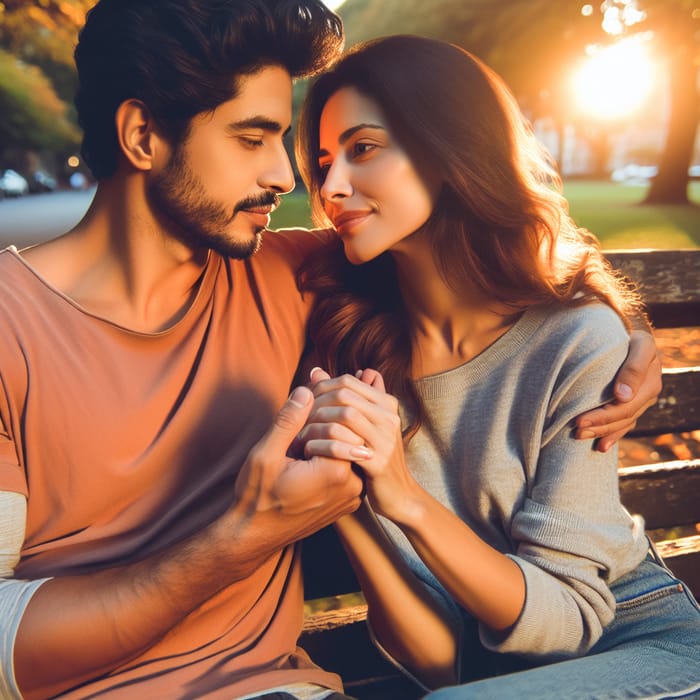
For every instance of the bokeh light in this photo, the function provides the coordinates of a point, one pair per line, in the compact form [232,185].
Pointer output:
[615,81]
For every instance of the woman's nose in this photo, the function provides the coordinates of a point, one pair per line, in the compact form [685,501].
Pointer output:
[336,184]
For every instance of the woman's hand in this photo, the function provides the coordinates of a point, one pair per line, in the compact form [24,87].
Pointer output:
[354,418]
[637,386]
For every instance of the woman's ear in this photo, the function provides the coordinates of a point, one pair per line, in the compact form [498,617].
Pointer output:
[136,133]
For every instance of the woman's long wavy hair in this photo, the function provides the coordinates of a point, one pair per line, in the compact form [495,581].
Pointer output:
[500,221]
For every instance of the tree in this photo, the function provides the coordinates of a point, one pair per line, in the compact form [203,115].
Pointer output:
[31,115]
[676,27]
[37,74]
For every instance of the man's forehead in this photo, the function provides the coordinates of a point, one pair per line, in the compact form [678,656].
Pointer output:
[267,91]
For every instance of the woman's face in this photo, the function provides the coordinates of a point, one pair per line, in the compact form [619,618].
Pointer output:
[370,189]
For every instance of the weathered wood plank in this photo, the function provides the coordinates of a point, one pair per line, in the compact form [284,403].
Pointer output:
[682,556]
[669,281]
[678,407]
[666,494]
[663,276]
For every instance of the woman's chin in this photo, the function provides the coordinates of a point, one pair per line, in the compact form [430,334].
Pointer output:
[357,257]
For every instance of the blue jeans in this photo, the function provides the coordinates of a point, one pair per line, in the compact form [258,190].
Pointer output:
[650,651]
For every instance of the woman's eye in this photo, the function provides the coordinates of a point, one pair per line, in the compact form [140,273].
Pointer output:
[323,169]
[360,148]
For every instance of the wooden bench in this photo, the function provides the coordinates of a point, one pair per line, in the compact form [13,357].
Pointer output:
[666,493]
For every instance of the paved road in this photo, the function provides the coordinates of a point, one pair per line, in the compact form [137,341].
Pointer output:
[38,217]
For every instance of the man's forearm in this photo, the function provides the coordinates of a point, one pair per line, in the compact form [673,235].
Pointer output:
[76,628]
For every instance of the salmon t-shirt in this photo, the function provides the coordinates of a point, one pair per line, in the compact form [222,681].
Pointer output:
[126,442]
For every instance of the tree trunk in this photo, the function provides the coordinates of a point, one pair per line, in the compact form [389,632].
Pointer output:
[670,186]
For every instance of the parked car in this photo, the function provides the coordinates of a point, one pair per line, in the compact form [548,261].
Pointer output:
[633,174]
[41,181]
[13,184]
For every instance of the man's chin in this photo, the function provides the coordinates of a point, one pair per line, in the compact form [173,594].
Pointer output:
[238,249]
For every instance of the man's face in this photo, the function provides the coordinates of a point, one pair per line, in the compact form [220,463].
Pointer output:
[220,186]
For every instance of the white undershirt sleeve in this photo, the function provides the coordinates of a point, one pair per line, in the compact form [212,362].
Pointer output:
[14,594]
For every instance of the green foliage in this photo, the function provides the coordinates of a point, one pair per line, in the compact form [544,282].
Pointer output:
[37,74]
[31,115]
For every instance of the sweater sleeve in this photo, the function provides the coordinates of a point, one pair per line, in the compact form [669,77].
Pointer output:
[14,594]
[571,528]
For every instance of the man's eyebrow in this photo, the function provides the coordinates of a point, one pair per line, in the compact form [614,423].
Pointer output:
[352,130]
[258,122]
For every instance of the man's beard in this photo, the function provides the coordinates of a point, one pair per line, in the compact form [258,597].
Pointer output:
[198,220]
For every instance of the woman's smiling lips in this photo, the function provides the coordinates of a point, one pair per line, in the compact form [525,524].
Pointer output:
[348,220]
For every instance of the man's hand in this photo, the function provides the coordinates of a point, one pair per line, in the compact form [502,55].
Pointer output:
[304,495]
[637,386]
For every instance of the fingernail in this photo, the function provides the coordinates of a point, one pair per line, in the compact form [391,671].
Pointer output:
[585,424]
[586,434]
[314,369]
[358,374]
[624,392]
[360,452]
[300,396]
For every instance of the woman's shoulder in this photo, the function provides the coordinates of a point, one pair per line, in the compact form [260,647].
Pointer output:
[593,316]
[583,332]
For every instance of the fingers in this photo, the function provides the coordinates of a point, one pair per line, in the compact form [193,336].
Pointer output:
[641,369]
[288,422]
[637,386]
[317,375]
[604,444]
[334,449]
[368,384]
[353,418]
[371,377]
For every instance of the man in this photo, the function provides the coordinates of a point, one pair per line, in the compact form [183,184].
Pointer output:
[147,519]
[144,355]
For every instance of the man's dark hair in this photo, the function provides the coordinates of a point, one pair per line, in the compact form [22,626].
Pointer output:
[184,57]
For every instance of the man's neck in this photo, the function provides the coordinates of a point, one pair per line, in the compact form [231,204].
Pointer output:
[119,263]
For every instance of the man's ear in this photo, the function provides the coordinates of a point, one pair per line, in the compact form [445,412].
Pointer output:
[136,133]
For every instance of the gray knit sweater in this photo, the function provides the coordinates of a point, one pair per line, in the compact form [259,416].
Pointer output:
[502,457]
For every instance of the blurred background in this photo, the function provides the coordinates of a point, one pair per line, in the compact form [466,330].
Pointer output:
[610,87]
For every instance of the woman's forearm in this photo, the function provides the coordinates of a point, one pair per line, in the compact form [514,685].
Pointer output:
[404,617]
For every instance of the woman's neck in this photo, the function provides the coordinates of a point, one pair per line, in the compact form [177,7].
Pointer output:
[449,327]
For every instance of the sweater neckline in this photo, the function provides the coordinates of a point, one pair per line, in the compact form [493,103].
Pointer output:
[454,380]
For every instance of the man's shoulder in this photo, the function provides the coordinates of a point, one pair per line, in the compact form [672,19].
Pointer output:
[12,270]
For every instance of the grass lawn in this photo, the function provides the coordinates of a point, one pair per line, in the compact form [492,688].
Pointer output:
[613,213]
[610,210]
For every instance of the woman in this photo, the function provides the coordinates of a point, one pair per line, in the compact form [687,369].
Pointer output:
[493,540]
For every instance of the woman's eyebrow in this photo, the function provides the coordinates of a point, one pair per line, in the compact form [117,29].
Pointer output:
[349,132]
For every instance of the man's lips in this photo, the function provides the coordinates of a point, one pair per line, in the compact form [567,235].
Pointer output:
[260,213]
[347,220]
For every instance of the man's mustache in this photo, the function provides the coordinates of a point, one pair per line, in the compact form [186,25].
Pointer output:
[267,199]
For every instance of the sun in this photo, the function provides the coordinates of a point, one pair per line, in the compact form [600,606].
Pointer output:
[615,81]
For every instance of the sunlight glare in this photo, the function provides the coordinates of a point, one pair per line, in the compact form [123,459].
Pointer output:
[615,81]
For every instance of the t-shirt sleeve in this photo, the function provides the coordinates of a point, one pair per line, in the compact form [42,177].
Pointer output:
[571,527]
